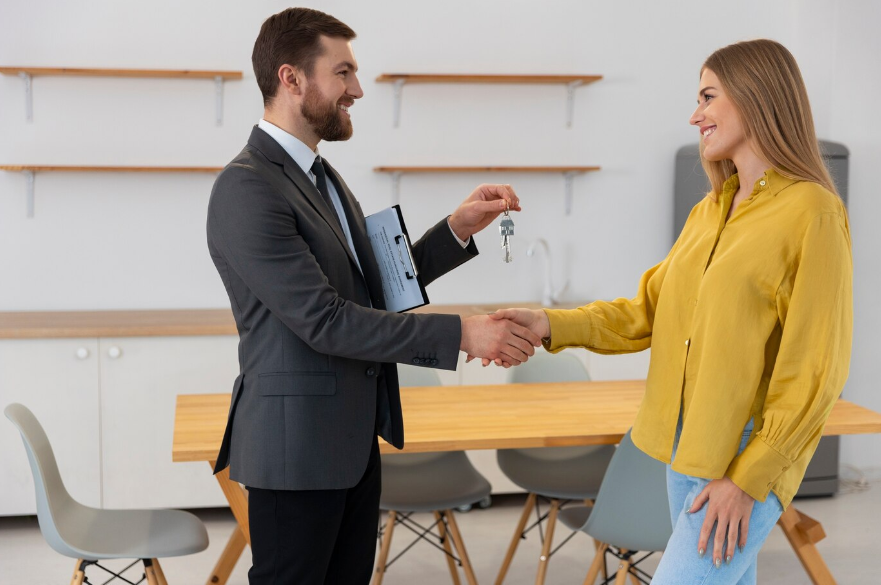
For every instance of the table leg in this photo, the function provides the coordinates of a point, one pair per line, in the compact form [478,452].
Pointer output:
[228,559]
[238,503]
[803,532]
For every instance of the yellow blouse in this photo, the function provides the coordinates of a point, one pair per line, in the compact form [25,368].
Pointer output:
[751,317]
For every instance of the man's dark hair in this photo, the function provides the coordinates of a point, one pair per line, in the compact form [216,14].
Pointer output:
[292,37]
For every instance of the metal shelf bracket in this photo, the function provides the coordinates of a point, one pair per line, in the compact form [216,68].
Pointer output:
[28,95]
[399,87]
[396,187]
[570,101]
[218,99]
[29,192]
[568,177]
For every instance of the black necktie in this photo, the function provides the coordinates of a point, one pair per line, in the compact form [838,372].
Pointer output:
[321,182]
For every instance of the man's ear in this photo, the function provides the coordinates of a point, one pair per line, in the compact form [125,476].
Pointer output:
[290,80]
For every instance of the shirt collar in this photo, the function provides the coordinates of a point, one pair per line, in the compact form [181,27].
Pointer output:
[296,149]
[775,182]
[771,181]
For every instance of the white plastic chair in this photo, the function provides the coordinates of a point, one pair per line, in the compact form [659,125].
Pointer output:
[90,534]
[631,515]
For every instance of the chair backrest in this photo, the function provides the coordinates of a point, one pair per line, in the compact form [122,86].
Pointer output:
[631,510]
[53,500]
[413,376]
[545,367]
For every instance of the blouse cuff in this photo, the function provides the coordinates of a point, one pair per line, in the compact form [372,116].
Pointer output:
[757,469]
[569,328]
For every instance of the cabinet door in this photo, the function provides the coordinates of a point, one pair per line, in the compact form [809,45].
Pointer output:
[140,380]
[58,380]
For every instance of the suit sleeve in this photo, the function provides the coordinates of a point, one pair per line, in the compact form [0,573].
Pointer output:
[438,252]
[816,313]
[252,225]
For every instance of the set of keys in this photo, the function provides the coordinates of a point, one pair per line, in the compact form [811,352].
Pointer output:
[506,229]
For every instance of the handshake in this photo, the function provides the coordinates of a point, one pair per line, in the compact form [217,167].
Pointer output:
[507,337]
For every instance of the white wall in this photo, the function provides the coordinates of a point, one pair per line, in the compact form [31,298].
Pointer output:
[137,241]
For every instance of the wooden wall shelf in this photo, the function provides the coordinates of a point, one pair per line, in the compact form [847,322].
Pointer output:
[568,173]
[30,172]
[28,73]
[478,78]
[570,81]
[107,169]
[86,72]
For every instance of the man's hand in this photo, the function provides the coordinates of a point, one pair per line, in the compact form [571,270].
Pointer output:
[481,208]
[497,339]
[730,507]
[535,320]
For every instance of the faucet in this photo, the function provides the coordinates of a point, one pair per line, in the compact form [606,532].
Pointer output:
[549,296]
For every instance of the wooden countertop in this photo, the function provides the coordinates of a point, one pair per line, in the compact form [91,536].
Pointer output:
[156,323]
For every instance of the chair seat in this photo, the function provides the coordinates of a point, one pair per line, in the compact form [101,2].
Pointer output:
[438,481]
[146,534]
[574,517]
[572,478]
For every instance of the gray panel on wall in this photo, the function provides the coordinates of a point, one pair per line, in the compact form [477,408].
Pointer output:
[692,185]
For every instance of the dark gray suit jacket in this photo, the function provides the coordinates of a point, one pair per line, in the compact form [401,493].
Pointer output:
[318,380]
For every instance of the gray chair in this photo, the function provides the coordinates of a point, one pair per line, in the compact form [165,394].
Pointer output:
[435,483]
[559,475]
[91,535]
[631,514]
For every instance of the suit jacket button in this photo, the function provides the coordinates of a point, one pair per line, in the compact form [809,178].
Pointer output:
[371,372]
[416,361]
[434,362]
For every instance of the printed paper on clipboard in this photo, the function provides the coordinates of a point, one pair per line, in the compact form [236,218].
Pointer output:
[401,285]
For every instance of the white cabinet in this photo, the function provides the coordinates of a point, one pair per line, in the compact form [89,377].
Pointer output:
[140,379]
[58,380]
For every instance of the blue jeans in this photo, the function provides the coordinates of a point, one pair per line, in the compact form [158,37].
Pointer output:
[681,563]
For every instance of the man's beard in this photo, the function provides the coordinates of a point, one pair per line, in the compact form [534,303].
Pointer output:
[328,121]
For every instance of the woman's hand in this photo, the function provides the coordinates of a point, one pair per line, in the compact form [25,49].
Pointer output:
[730,508]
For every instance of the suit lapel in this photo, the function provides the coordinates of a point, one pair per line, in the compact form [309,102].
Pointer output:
[302,181]
[273,151]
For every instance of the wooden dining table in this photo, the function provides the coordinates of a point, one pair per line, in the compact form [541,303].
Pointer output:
[454,418]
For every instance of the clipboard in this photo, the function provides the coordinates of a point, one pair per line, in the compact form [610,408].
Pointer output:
[402,286]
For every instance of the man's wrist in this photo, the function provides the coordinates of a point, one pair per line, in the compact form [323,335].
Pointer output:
[458,233]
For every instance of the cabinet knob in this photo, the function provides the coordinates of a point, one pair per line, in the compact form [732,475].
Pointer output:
[114,352]
[82,353]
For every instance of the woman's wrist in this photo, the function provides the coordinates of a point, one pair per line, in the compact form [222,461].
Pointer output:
[544,327]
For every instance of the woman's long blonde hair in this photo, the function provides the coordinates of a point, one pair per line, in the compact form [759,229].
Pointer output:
[763,81]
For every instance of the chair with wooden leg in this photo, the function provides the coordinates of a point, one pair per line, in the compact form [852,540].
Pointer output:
[90,535]
[556,475]
[433,483]
[631,515]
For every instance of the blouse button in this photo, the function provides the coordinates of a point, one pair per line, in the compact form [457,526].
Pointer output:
[762,183]
[687,342]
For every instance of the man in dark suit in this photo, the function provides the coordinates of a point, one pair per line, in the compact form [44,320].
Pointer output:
[317,350]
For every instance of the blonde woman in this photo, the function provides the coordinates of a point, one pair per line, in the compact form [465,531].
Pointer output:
[749,318]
